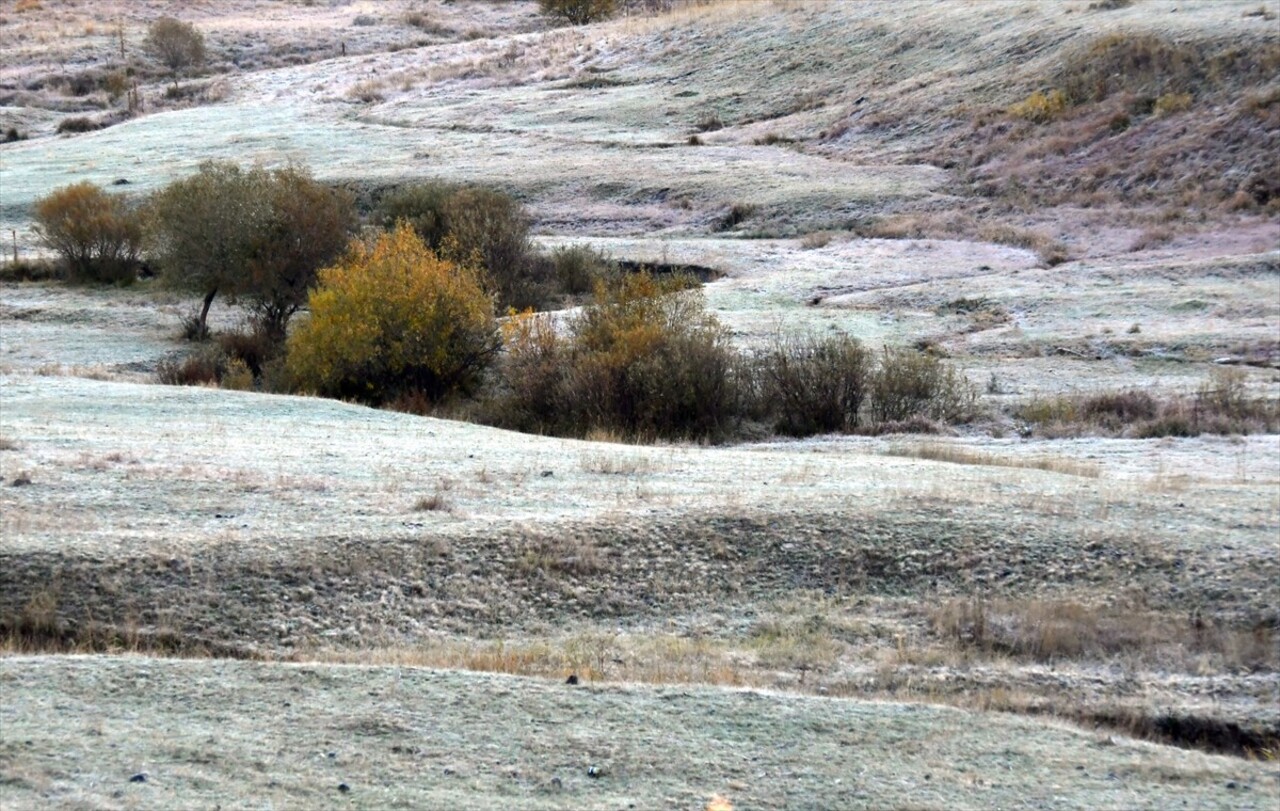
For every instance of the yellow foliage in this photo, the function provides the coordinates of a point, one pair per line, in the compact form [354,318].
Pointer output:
[1170,103]
[394,318]
[1040,107]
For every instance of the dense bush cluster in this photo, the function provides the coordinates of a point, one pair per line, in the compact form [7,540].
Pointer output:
[476,226]
[406,315]
[645,360]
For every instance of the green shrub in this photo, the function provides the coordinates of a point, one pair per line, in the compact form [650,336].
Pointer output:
[393,319]
[96,234]
[200,231]
[492,226]
[422,206]
[308,225]
[815,385]
[578,12]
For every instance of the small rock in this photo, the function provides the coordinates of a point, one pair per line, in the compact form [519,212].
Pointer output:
[332,756]
[1231,784]
[140,777]
[344,788]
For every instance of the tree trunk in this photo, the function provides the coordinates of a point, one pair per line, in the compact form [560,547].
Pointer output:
[204,313]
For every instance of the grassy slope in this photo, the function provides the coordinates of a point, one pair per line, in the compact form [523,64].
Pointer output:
[420,738]
[156,509]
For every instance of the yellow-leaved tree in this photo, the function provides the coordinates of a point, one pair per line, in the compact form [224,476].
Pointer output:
[394,319]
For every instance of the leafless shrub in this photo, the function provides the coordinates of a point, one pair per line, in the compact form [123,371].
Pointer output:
[176,44]
[203,367]
[815,385]
[907,384]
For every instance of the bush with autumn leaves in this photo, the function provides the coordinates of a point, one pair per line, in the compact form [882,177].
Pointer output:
[393,319]
[405,315]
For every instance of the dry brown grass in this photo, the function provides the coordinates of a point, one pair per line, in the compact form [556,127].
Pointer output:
[1065,629]
[1224,403]
[436,502]
[960,455]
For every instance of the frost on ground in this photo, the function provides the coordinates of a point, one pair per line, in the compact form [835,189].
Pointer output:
[393,738]
[1124,584]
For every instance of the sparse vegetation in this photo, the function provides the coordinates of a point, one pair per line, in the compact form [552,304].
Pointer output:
[1036,556]
[1222,405]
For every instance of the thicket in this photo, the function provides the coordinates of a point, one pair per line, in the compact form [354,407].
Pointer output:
[646,360]
[97,236]
[394,320]
[477,226]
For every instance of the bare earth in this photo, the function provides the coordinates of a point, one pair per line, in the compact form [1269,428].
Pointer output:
[781,623]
